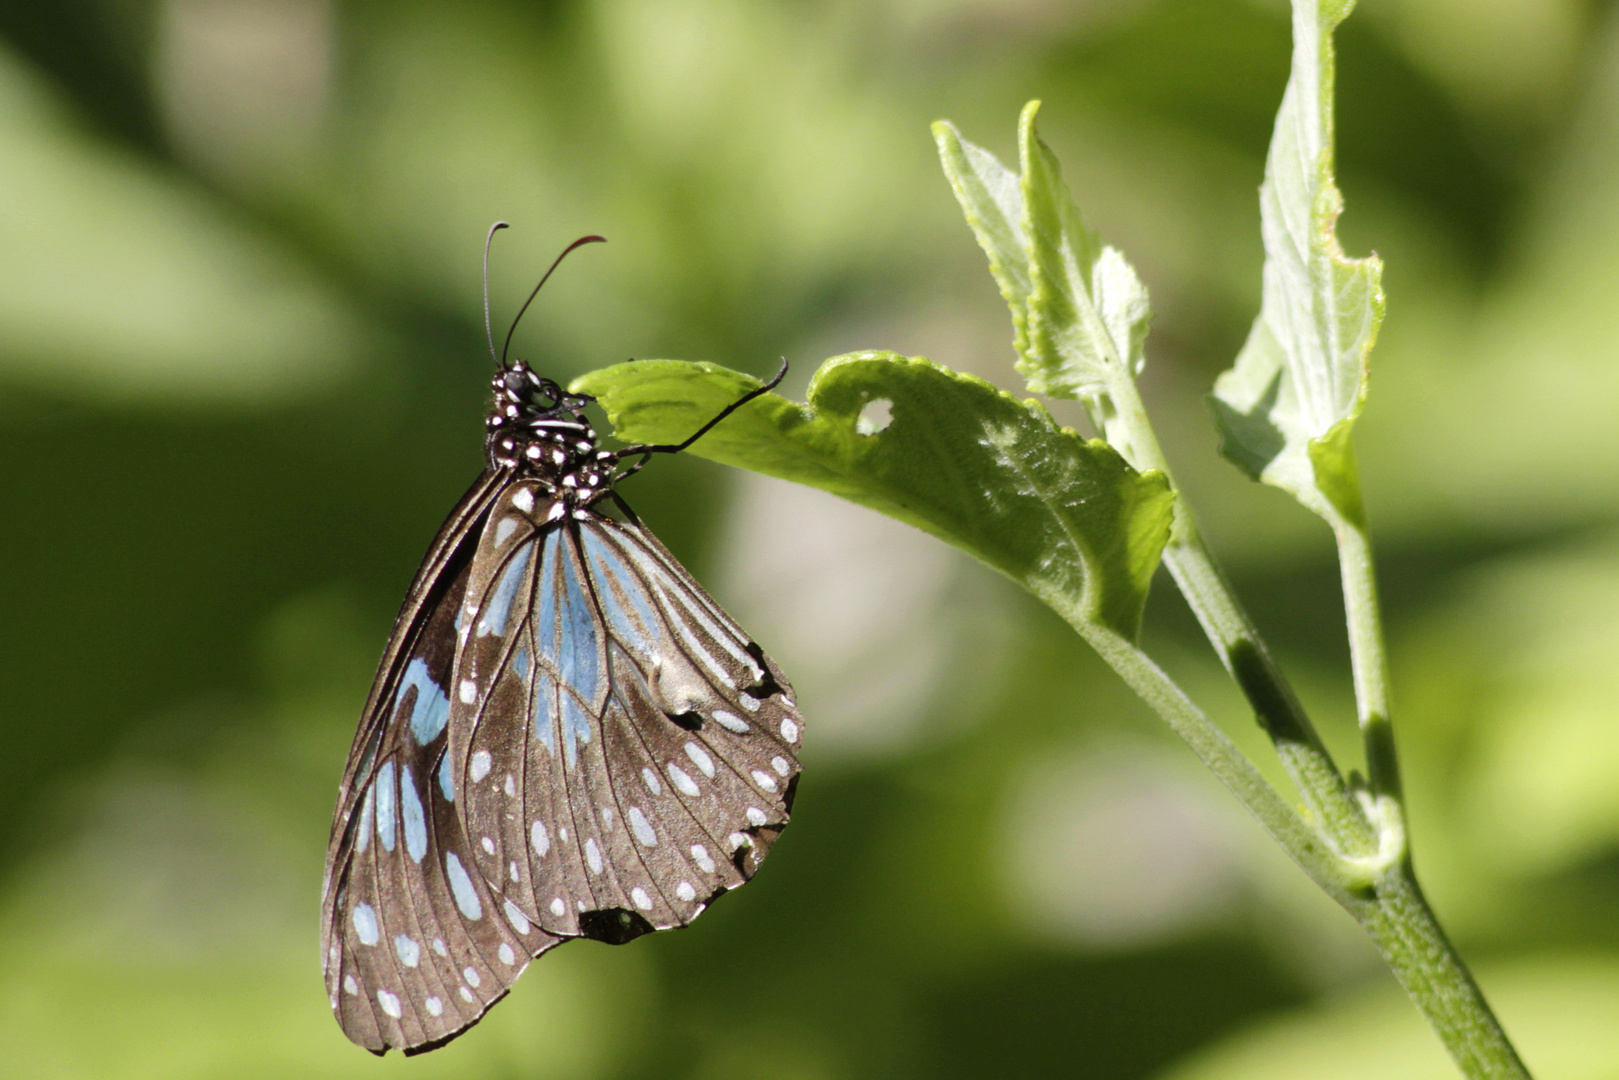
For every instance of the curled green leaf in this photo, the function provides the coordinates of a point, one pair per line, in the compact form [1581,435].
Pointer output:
[1067,518]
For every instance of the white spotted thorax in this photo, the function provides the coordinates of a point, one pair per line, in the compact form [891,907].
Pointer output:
[567,737]
[538,430]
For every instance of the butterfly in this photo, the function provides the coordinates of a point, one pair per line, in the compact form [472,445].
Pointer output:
[567,737]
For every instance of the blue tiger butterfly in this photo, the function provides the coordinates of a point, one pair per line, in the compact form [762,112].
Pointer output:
[566,736]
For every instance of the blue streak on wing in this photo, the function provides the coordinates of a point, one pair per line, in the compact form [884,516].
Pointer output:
[500,605]
[545,623]
[385,804]
[545,699]
[521,662]
[622,583]
[575,727]
[578,663]
[368,816]
[410,812]
[446,779]
[432,709]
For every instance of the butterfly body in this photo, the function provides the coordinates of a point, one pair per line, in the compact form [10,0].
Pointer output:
[567,737]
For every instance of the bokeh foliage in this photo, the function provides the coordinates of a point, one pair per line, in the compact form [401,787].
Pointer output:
[241,372]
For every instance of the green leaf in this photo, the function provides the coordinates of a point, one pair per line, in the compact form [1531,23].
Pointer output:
[1066,518]
[992,199]
[1286,407]
[1080,311]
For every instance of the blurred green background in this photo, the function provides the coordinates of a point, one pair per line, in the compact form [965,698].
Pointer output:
[241,378]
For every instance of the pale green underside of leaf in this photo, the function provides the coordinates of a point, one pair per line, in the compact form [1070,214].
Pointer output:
[1286,406]
[1066,518]
[1079,310]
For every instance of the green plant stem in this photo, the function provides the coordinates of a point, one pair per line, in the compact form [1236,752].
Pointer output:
[1368,657]
[1411,940]
[1392,910]
[1302,842]
[1314,774]
[1367,865]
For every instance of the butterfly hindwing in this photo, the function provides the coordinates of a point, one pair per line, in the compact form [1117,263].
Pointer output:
[729,753]
[612,784]
[416,945]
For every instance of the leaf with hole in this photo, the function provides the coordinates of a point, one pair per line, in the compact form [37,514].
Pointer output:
[1067,518]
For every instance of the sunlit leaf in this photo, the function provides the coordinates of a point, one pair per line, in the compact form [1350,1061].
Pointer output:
[1080,311]
[1066,518]
[1286,406]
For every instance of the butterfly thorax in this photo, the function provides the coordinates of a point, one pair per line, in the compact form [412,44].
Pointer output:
[539,430]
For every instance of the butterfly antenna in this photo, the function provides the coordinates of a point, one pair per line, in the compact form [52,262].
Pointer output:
[487,330]
[581,242]
[646,451]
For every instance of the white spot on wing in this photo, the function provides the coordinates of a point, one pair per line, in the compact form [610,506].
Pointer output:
[683,783]
[481,764]
[558,908]
[488,845]
[365,924]
[642,900]
[731,721]
[504,530]
[511,786]
[506,955]
[779,763]
[642,828]
[466,897]
[349,985]
[756,816]
[706,861]
[593,856]
[789,729]
[438,947]
[650,779]
[685,891]
[749,702]
[518,920]
[435,1007]
[523,499]
[699,757]
[539,838]
[469,691]
[389,1003]
[466,995]
[764,779]
[471,976]
[410,953]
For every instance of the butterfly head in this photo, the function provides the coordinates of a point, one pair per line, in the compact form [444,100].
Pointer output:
[540,429]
